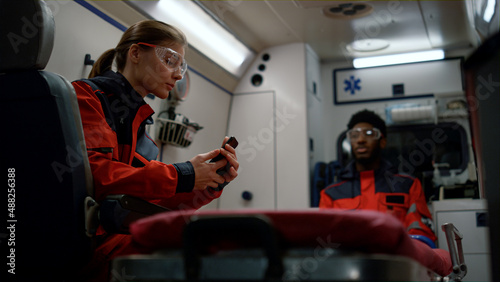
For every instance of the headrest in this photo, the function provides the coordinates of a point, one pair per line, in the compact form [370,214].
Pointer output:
[27,35]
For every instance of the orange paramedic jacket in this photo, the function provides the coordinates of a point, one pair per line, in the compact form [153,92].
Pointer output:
[122,154]
[382,190]
[122,158]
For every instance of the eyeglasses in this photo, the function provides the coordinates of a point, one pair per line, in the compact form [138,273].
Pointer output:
[372,133]
[171,59]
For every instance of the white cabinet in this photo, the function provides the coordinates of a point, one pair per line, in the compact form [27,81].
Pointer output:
[252,121]
[469,217]
[269,118]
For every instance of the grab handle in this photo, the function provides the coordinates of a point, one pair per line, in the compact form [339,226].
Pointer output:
[454,240]
[230,227]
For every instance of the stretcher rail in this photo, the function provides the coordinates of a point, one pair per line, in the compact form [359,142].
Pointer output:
[454,241]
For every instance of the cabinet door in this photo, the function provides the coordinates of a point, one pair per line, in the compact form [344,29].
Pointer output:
[475,238]
[251,121]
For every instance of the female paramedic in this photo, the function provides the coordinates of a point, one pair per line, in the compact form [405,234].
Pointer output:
[149,59]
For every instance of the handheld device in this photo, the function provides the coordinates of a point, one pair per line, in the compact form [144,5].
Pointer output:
[233,143]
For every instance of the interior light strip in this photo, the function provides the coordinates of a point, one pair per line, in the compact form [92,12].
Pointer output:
[398,59]
[489,11]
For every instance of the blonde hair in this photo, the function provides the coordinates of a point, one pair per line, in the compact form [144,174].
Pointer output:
[148,31]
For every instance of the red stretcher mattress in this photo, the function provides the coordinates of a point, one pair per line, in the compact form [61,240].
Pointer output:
[367,231]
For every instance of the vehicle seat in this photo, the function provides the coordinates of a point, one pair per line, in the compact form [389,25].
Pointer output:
[53,214]
[43,151]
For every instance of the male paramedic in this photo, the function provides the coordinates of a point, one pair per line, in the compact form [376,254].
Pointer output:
[370,182]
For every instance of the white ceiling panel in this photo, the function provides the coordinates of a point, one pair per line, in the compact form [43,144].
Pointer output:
[406,25]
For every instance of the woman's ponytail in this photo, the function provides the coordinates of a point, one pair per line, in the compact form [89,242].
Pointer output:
[103,64]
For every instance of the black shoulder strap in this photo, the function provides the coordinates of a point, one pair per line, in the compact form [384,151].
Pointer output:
[104,103]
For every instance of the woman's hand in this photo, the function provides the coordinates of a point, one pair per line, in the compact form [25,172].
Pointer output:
[206,173]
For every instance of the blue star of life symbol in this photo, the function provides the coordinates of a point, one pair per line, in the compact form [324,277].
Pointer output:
[352,85]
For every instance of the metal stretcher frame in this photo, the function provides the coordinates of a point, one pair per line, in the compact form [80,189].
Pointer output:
[261,255]
[250,265]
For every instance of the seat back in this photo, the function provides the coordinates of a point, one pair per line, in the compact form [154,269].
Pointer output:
[43,150]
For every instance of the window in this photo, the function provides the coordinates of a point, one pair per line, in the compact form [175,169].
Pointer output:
[414,148]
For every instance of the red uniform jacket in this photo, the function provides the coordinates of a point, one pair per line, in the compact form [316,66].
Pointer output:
[382,190]
[122,157]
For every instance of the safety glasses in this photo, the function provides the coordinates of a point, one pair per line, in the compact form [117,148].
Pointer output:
[171,59]
[370,133]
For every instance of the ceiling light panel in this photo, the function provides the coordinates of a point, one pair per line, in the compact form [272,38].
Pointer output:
[398,59]
[202,31]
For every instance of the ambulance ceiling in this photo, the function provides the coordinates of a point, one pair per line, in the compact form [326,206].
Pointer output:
[329,27]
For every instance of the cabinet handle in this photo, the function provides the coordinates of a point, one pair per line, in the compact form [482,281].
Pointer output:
[247,195]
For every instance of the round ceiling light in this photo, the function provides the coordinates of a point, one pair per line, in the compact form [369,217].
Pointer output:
[368,45]
[348,10]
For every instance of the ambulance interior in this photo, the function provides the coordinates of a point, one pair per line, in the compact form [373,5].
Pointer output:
[287,100]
